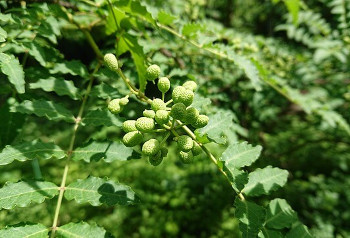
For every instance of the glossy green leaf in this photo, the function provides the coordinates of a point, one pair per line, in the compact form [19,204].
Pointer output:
[240,155]
[200,102]
[80,230]
[102,118]
[251,217]
[108,151]
[30,150]
[41,53]
[166,18]
[298,230]
[41,108]
[279,214]
[135,8]
[264,181]
[10,66]
[23,193]
[73,67]
[105,91]
[57,85]
[98,191]
[267,233]
[190,29]
[3,35]
[25,231]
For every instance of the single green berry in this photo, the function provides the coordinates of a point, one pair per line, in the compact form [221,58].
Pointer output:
[152,72]
[191,85]
[149,113]
[191,115]
[183,95]
[151,147]
[162,117]
[185,143]
[164,151]
[178,111]
[155,160]
[123,101]
[196,150]
[202,121]
[111,61]
[163,84]
[114,106]
[133,138]
[129,126]
[186,157]
[158,104]
[145,124]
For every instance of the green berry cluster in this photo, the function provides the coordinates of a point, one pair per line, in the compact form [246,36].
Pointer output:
[165,118]
[117,105]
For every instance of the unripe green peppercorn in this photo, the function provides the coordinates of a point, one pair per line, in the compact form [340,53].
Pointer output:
[191,85]
[158,104]
[123,101]
[129,126]
[186,157]
[185,143]
[114,106]
[152,72]
[151,147]
[178,111]
[162,117]
[144,124]
[149,113]
[111,61]
[155,160]
[191,115]
[163,84]
[183,95]
[196,150]
[202,121]
[133,138]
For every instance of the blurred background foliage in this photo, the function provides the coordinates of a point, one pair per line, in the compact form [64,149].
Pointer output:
[310,55]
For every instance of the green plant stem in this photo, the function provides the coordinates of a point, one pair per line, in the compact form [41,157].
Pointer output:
[93,44]
[70,151]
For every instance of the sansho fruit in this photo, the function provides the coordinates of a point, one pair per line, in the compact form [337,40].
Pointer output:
[178,111]
[111,61]
[152,72]
[151,147]
[144,124]
[163,84]
[114,106]
[186,157]
[123,101]
[158,104]
[162,117]
[129,126]
[133,138]
[155,160]
[185,143]
[191,115]
[196,150]
[183,95]
[191,85]
[202,121]
[149,113]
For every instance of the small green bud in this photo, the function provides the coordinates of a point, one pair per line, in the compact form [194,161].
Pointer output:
[123,101]
[202,121]
[151,147]
[178,111]
[185,143]
[155,160]
[162,117]
[186,157]
[196,150]
[183,95]
[111,61]
[133,138]
[191,115]
[114,106]
[129,126]
[145,124]
[149,113]
[191,85]
[158,104]
[163,84]
[152,72]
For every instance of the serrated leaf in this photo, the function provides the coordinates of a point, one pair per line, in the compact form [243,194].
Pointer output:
[108,151]
[98,191]
[30,150]
[3,35]
[190,29]
[42,54]
[105,91]
[102,118]
[279,214]
[23,193]
[298,230]
[73,67]
[240,155]
[251,217]
[135,8]
[25,231]
[11,67]
[266,233]
[264,181]
[42,108]
[218,123]
[200,102]
[238,178]
[166,18]
[80,230]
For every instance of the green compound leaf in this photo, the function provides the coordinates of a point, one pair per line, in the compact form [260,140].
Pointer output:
[264,181]
[105,91]
[80,230]
[279,214]
[98,191]
[23,193]
[200,102]
[166,18]
[218,123]
[240,155]
[57,85]
[298,230]
[3,35]
[266,233]
[251,217]
[30,150]
[25,231]
[41,53]
[11,67]
[102,118]
[42,108]
[73,67]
